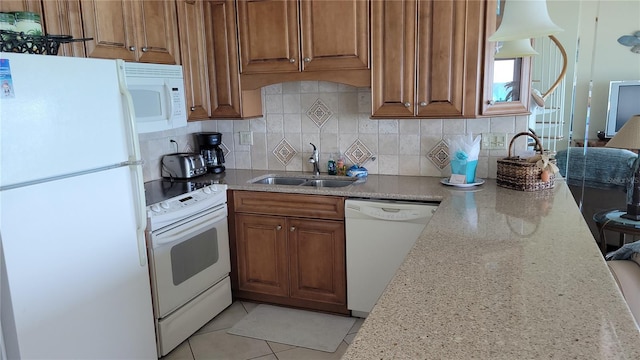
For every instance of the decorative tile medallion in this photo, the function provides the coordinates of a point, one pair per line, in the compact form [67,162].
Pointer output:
[358,153]
[439,155]
[225,149]
[284,152]
[319,113]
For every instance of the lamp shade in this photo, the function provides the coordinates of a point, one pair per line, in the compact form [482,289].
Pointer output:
[628,137]
[525,19]
[515,49]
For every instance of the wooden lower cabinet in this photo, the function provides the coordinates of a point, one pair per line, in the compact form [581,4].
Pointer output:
[288,260]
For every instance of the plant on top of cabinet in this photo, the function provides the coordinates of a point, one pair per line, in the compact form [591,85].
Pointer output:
[426,58]
[142,31]
[303,40]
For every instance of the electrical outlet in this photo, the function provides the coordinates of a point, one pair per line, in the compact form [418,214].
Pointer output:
[246,138]
[494,141]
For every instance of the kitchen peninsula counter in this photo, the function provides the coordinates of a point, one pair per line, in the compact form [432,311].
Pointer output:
[496,274]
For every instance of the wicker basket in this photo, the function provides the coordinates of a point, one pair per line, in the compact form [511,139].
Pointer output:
[519,174]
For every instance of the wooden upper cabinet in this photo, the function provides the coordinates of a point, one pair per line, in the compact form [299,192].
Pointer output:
[63,17]
[335,34]
[21,5]
[269,36]
[507,82]
[143,31]
[59,17]
[210,61]
[308,35]
[445,37]
[393,57]
[194,59]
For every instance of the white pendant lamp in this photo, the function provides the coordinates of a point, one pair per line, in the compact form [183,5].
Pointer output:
[515,49]
[525,19]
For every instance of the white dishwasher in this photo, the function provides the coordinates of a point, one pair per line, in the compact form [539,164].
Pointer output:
[379,235]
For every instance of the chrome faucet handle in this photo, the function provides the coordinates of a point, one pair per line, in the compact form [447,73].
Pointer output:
[314,159]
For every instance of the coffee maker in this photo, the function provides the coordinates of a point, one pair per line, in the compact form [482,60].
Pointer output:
[209,144]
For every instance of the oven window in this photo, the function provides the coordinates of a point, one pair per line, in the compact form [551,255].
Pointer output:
[194,255]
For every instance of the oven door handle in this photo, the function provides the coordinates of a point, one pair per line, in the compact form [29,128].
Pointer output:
[188,230]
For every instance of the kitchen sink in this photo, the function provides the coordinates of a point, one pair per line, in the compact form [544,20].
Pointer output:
[298,181]
[328,183]
[280,181]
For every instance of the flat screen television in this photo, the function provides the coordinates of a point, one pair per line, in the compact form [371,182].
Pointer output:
[624,102]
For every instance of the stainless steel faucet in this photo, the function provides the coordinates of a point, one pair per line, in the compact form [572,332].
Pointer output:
[315,160]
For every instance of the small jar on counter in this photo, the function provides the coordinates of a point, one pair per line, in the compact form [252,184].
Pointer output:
[7,22]
[28,23]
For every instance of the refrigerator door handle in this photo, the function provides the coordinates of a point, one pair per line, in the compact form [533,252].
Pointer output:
[135,163]
[134,146]
[141,215]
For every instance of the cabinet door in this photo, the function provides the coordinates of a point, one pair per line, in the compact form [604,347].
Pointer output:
[107,22]
[507,82]
[156,31]
[317,260]
[261,243]
[222,56]
[335,34]
[193,56]
[269,36]
[393,58]
[21,5]
[63,17]
[447,30]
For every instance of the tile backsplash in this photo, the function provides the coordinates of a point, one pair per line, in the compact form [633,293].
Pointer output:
[334,117]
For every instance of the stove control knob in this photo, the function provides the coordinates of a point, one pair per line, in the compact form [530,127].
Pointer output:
[155,208]
[207,190]
[164,205]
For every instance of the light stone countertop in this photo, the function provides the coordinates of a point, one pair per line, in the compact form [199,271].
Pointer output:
[496,274]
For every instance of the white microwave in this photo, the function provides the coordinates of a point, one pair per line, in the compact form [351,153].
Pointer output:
[158,96]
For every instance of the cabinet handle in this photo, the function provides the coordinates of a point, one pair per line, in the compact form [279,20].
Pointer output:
[278,227]
[190,2]
[407,104]
[144,49]
[293,228]
[307,59]
[193,108]
[132,48]
[292,60]
[423,103]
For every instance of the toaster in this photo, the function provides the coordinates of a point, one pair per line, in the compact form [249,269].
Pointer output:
[183,165]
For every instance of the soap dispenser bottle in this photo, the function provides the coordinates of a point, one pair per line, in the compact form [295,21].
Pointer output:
[331,166]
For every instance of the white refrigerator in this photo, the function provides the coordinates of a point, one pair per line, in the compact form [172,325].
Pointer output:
[75,280]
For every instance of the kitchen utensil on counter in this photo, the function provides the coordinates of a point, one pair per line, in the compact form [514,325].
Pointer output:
[209,146]
[183,165]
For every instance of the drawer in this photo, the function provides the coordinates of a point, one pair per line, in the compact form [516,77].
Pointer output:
[298,205]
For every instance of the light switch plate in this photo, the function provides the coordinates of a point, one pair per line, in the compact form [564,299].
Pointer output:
[494,141]
[246,138]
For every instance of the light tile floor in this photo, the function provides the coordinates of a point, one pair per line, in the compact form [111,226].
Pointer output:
[212,342]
